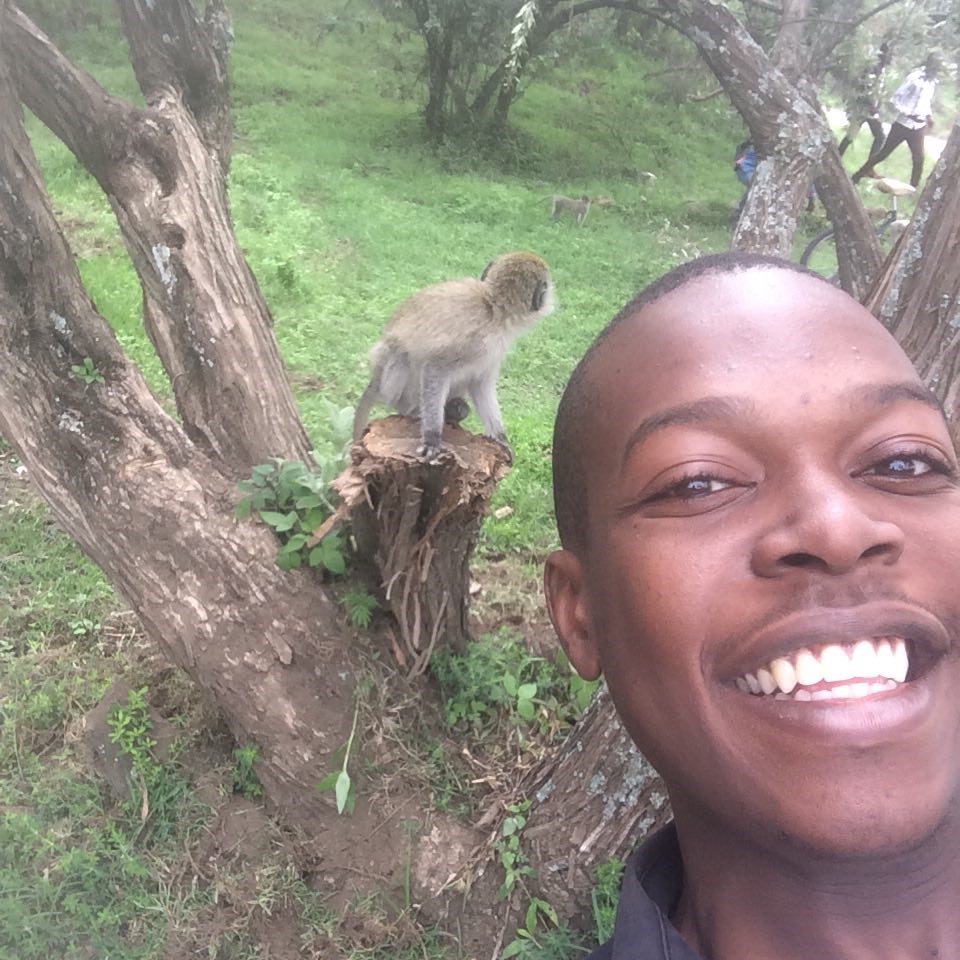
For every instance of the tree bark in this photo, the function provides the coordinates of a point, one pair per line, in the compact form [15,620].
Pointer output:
[151,508]
[419,523]
[918,294]
[163,170]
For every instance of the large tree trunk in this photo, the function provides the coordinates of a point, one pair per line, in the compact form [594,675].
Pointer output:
[150,507]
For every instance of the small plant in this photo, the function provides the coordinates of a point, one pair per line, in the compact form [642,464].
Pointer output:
[88,372]
[339,780]
[84,627]
[529,939]
[245,779]
[515,863]
[522,695]
[294,499]
[161,787]
[360,606]
[605,897]
[498,673]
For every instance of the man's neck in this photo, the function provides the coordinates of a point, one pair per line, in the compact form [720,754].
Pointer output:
[741,899]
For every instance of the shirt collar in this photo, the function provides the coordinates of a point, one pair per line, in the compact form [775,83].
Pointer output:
[651,887]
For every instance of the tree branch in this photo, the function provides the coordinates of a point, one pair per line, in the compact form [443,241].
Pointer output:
[202,307]
[172,49]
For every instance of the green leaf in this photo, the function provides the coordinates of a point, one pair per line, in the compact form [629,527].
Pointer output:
[243,509]
[530,921]
[311,520]
[289,561]
[510,684]
[316,556]
[509,827]
[334,560]
[512,949]
[263,469]
[526,709]
[295,543]
[526,691]
[274,519]
[342,790]
[329,781]
[308,501]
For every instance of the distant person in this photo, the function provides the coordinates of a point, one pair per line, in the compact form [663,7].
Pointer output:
[864,105]
[914,104]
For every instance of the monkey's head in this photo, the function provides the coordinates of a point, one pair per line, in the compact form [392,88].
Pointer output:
[521,286]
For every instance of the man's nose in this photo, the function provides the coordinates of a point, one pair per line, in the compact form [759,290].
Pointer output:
[826,523]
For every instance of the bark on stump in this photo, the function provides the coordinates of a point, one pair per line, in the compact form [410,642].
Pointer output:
[418,523]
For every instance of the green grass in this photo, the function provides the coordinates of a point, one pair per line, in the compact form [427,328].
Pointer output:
[343,211]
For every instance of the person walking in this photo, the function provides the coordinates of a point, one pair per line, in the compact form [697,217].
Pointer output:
[864,105]
[914,104]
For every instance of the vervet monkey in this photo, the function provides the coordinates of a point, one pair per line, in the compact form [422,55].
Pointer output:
[448,341]
[578,209]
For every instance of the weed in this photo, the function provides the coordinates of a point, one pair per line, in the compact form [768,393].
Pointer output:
[510,853]
[88,372]
[605,897]
[340,780]
[158,788]
[360,606]
[245,779]
[498,673]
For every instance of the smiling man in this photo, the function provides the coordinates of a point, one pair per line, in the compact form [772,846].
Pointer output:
[759,506]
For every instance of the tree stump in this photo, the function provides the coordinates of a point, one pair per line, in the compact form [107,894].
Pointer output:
[418,522]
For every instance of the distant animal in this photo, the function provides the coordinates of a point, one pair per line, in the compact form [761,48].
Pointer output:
[578,209]
[604,202]
[448,341]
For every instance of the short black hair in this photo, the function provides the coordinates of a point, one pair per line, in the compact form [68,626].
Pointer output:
[577,402]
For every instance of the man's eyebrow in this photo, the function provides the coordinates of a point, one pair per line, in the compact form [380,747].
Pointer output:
[884,394]
[697,411]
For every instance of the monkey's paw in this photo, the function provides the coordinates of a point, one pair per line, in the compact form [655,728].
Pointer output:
[502,440]
[430,451]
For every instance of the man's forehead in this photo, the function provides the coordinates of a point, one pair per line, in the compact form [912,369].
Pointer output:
[777,313]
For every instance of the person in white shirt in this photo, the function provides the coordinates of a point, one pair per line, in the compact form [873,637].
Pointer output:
[913,102]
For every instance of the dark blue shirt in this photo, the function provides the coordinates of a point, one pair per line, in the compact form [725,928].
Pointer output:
[651,887]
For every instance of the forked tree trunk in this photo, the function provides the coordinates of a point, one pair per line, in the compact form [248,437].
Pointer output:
[152,507]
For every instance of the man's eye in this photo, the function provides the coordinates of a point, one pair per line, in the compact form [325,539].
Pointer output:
[901,467]
[690,488]
[920,470]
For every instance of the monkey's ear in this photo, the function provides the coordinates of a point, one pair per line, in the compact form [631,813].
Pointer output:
[563,584]
[539,295]
[486,270]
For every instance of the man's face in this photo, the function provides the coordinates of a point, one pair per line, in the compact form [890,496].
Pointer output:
[771,498]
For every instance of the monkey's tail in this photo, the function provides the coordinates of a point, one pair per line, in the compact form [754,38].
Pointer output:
[362,417]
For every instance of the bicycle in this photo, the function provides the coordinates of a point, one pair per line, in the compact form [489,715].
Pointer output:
[820,254]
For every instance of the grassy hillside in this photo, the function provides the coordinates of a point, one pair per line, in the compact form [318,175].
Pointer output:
[343,211]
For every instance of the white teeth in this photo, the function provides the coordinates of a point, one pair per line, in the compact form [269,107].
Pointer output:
[784,674]
[836,664]
[901,662]
[864,659]
[885,661]
[876,665]
[808,668]
[766,681]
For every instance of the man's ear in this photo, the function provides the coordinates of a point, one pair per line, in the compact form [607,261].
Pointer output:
[563,584]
